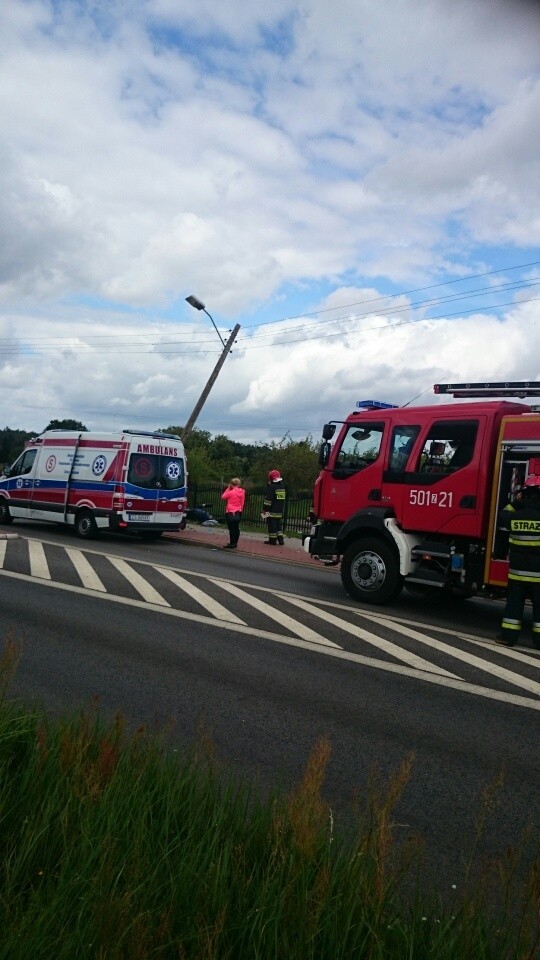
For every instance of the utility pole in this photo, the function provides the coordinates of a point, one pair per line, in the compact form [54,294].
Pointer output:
[212,379]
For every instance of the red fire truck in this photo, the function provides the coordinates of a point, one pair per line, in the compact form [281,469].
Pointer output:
[411,495]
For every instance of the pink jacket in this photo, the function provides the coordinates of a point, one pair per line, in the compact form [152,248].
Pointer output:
[235,498]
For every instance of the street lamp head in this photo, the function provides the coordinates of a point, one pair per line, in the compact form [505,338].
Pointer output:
[195,302]
[199,305]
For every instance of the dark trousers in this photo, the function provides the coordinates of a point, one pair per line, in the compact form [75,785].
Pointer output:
[518,591]
[233,523]
[275,529]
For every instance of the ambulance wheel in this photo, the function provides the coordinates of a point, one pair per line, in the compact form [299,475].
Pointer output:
[370,571]
[85,525]
[5,516]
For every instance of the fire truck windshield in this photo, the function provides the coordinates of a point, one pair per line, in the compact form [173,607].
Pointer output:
[360,446]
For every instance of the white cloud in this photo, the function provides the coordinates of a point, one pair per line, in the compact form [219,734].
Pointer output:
[259,156]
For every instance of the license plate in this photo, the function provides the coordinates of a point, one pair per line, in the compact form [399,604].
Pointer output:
[140,517]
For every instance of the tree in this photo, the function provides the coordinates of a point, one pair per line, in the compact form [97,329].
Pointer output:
[12,443]
[67,425]
[296,460]
[217,459]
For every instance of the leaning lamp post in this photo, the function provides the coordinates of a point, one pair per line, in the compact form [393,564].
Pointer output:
[198,305]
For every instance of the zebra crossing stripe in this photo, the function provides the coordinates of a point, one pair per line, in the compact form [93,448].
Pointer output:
[38,561]
[302,631]
[398,652]
[86,572]
[531,657]
[211,606]
[3,546]
[514,678]
[143,588]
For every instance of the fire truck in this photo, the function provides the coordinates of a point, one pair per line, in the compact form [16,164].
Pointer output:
[410,496]
[130,481]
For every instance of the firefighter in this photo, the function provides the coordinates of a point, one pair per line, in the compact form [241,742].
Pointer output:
[522,524]
[273,508]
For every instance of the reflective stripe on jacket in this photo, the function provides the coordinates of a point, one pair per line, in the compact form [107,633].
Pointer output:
[523,527]
[274,499]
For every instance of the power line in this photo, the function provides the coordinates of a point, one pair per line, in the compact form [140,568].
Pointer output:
[406,293]
[307,339]
[55,342]
[12,347]
[391,326]
[422,305]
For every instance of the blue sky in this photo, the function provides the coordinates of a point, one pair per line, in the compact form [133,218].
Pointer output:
[356,185]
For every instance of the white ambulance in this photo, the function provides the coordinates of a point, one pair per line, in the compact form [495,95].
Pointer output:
[128,481]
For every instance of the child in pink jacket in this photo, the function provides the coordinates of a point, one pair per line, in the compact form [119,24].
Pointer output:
[235,497]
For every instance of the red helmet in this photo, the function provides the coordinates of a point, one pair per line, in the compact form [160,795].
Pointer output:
[274,475]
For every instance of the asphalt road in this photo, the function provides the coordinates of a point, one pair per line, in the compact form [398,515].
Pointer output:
[269,657]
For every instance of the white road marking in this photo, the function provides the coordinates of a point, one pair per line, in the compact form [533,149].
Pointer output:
[141,585]
[531,657]
[275,614]
[211,606]
[528,658]
[392,648]
[514,678]
[329,651]
[3,546]
[86,572]
[38,562]
[332,605]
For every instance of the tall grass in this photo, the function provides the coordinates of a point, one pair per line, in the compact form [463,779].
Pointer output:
[111,846]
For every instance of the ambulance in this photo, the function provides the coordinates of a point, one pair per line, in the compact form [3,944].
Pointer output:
[129,481]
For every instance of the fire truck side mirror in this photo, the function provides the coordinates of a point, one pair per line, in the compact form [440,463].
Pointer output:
[324,453]
[328,431]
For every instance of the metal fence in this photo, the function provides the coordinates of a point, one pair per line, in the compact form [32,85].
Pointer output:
[296,517]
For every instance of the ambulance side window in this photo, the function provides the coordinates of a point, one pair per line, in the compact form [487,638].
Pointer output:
[24,464]
[360,447]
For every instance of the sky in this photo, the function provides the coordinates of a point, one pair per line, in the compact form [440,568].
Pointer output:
[356,184]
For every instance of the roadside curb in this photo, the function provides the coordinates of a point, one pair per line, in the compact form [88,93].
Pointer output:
[286,555]
[9,536]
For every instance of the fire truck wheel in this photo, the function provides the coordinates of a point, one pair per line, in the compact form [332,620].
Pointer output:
[370,571]
[85,525]
[5,516]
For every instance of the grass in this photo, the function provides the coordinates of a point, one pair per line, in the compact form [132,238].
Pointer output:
[114,846]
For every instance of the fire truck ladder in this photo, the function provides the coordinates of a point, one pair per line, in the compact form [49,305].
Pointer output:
[509,388]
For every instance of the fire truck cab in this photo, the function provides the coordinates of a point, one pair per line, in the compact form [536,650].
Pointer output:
[411,495]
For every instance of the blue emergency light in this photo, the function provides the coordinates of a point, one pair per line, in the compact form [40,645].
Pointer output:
[375,404]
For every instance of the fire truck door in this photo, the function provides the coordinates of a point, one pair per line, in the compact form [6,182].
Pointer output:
[356,472]
[441,488]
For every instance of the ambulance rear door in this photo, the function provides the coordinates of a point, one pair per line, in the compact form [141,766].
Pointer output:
[155,486]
